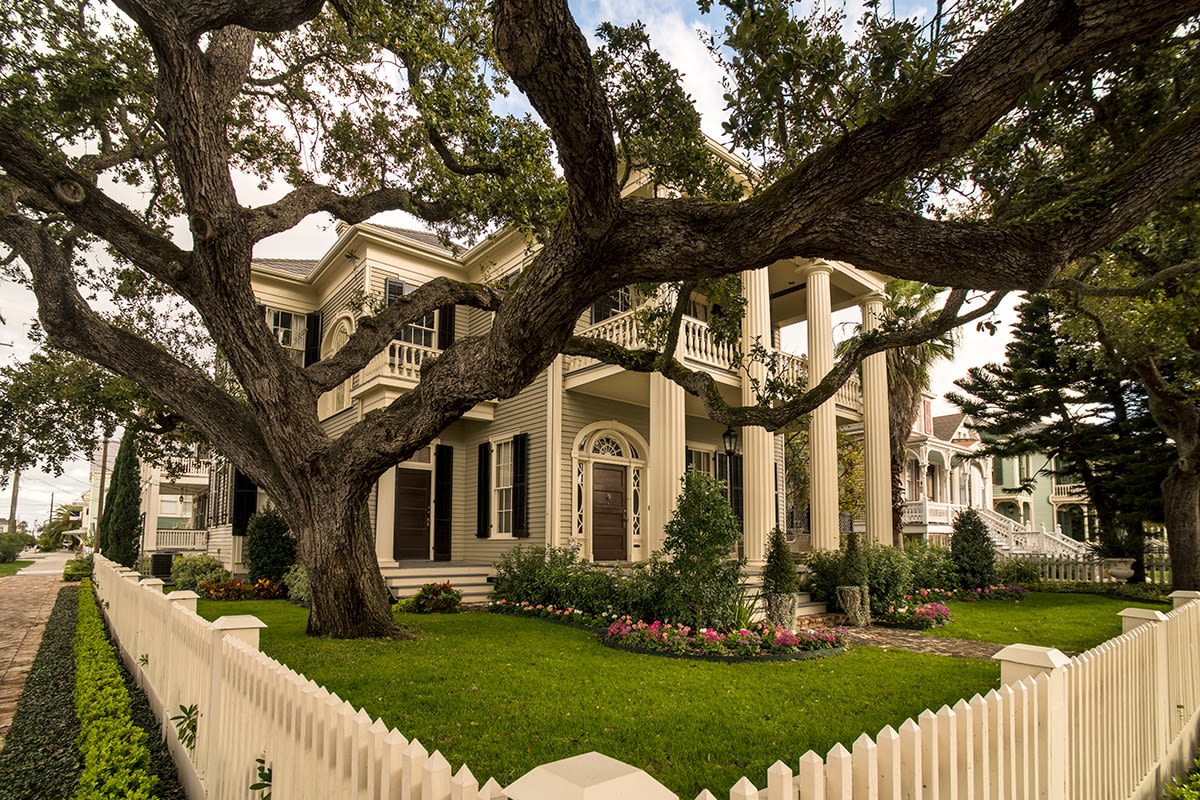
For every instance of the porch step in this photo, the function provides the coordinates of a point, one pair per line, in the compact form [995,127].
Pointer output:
[405,579]
[807,607]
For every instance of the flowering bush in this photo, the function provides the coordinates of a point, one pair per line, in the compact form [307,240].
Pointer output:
[570,615]
[230,589]
[996,592]
[919,616]
[267,589]
[436,598]
[746,643]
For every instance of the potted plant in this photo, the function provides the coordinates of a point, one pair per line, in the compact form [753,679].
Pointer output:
[780,583]
[1118,551]
[853,595]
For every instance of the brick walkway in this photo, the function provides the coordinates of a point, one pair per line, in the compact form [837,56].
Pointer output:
[914,640]
[25,605]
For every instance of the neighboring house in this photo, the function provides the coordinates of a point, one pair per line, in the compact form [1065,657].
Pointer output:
[174,498]
[1053,502]
[588,456]
[944,474]
[101,465]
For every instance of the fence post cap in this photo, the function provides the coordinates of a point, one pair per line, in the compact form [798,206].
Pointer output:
[1032,655]
[238,622]
[1184,595]
[590,776]
[150,582]
[184,594]
[1144,614]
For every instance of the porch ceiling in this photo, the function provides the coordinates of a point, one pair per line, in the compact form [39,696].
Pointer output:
[789,296]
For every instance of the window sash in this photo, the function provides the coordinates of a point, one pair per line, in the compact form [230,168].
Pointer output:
[503,481]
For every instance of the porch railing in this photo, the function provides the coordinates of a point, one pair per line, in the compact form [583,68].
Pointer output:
[180,539]
[399,360]
[1065,490]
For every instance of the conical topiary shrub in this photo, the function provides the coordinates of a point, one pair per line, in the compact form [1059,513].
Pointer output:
[973,551]
[780,583]
[120,528]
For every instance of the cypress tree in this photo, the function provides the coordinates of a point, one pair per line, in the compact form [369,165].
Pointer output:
[119,529]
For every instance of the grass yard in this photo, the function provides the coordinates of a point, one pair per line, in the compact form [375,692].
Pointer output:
[1070,622]
[12,567]
[504,694]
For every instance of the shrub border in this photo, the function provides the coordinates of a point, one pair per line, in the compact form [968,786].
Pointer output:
[39,757]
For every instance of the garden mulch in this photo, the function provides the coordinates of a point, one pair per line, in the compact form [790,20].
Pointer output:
[25,604]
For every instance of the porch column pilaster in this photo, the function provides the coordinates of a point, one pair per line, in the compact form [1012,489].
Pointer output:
[875,430]
[823,484]
[666,460]
[758,444]
[955,482]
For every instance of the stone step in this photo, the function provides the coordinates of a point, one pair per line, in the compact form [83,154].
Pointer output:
[470,579]
[810,609]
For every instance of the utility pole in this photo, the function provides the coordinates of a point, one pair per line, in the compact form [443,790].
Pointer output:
[103,472]
[12,510]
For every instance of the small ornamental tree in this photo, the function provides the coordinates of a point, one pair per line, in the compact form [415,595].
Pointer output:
[120,525]
[973,552]
[270,548]
[780,582]
[697,582]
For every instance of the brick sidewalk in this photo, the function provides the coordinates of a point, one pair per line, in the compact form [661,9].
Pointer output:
[915,641]
[25,604]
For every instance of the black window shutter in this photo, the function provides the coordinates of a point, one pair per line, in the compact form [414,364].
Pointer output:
[445,336]
[483,513]
[393,288]
[245,501]
[312,338]
[735,488]
[520,468]
[443,494]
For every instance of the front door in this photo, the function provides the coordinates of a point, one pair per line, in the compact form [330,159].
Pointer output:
[410,524]
[608,513]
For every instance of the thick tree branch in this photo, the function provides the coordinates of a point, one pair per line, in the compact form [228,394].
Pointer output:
[290,210]
[375,333]
[546,55]
[778,415]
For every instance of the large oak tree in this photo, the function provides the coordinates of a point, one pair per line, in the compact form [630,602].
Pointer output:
[174,96]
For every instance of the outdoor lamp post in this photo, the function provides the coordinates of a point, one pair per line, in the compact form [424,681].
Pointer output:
[730,439]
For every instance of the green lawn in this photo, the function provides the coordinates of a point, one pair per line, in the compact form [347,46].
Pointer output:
[504,694]
[1070,622]
[11,567]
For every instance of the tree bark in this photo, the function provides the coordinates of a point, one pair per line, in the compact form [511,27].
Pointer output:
[1181,514]
[905,406]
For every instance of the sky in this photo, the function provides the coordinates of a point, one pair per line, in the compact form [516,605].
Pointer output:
[675,28]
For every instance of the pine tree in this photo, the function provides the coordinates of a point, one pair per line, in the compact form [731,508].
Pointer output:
[120,528]
[973,552]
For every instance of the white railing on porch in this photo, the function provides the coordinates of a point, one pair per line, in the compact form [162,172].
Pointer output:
[180,539]
[1014,538]
[398,360]
[794,369]
[1117,722]
[925,512]
[1065,490]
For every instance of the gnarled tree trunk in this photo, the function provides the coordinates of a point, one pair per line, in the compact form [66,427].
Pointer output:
[1181,514]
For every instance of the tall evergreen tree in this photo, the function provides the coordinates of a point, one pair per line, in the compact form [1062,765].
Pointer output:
[120,528]
[1056,396]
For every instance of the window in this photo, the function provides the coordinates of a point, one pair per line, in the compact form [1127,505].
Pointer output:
[338,396]
[421,332]
[504,488]
[289,330]
[700,460]
[613,303]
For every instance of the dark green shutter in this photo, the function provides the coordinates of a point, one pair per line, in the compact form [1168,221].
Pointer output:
[443,495]
[445,336]
[245,501]
[483,504]
[520,468]
[312,338]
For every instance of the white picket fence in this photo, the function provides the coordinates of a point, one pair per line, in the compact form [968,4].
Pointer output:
[1115,723]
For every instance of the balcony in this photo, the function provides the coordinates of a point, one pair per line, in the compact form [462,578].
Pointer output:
[180,539]
[698,349]
[924,512]
[1069,493]
[395,370]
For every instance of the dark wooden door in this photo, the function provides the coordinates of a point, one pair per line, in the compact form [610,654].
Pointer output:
[410,523]
[608,513]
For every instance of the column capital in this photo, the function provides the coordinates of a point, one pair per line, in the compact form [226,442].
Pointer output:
[874,298]
[816,266]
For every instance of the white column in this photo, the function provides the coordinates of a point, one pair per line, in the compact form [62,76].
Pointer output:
[666,460]
[876,446]
[758,444]
[823,491]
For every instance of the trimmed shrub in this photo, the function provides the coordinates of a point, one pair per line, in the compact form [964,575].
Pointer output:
[113,749]
[228,589]
[780,581]
[1142,592]
[121,524]
[696,582]
[296,579]
[270,547]
[39,758]
[435,598]
[77,569]
[189,572]
[932,566]
[973,551]
[1017,570]
[887,570]
[11,544]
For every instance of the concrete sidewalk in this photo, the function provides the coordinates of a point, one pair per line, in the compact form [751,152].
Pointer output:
[26,600]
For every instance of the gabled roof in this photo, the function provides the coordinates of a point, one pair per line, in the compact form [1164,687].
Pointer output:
[945,426]
[424,237]
[300,267]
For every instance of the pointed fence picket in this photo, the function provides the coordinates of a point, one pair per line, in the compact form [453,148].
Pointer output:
[1115,723]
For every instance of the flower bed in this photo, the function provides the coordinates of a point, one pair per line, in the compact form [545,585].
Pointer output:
[679,640]
[566,616]
[917,616]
